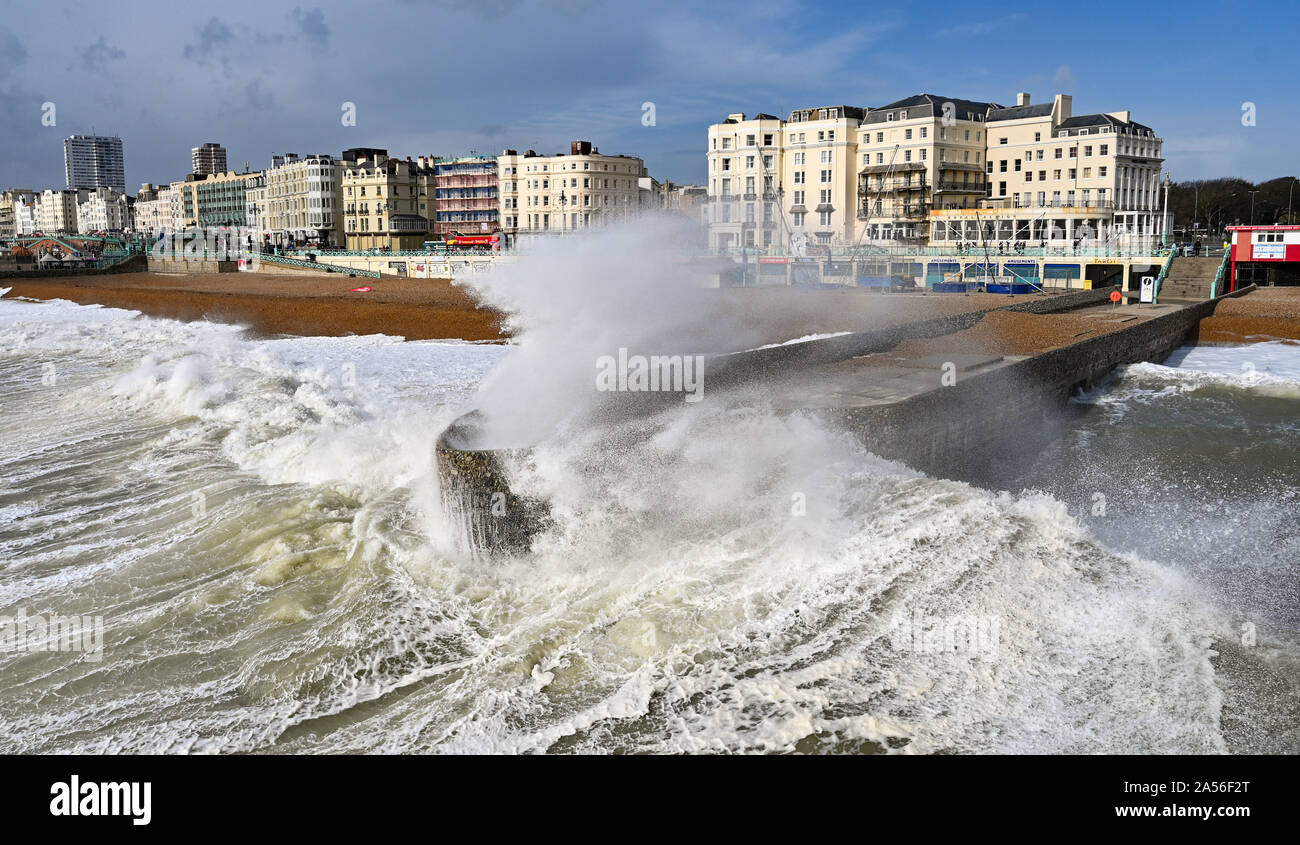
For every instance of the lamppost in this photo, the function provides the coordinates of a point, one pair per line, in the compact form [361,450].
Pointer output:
[1289,220]
[1164,221]
[564,204]
[1252,206]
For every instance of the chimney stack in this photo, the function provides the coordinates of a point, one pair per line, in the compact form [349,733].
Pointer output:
[1022,99]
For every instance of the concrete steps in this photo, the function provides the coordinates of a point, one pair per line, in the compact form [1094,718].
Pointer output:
[1190,278]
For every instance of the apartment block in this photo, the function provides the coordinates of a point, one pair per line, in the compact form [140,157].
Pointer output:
[566,193]
[153,214]
[918,154]
[58,212]
[466,197]
[94,161]
[208,159]
[102,210]
[930,168]
[219,199]
[19,211]
[1054,173]
[783,183]
[381,201]
[301,201]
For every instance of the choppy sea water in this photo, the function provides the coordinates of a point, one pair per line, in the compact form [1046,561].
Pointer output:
[257,522]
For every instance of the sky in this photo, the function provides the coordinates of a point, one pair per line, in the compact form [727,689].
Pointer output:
[1214,79]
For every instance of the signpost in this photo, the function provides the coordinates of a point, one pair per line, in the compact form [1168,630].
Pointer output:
[1148,289]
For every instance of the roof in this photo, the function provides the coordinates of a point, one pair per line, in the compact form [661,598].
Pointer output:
[931,105]
[1020,112]
[1082,120]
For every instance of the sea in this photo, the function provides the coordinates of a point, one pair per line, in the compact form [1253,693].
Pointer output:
[250,533]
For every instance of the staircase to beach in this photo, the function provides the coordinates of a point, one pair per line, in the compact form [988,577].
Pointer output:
[1190,278]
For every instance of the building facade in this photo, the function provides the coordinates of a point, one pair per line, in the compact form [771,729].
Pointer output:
[102,210]
[208,159]
[1054,175]
[153,214]
[302,201]
[58,212]
[783,183]
[216,200]
[916,155]
[466,196]
[931,169]
[567,193]
[94,161]
[380,199]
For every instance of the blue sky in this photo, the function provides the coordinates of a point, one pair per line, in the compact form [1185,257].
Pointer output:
[440,77]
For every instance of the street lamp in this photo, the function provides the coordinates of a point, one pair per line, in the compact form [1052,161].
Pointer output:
[1252,206]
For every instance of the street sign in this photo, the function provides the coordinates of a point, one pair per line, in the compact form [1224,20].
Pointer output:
[1148,289]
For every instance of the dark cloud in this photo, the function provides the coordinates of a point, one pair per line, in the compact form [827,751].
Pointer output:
[213,36]
[311,25]
[96,57]
[12,51]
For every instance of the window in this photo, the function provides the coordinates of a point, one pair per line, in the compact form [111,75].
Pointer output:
[1002,140]
[830,136]
[1038,156]
[824,218]
[1101,171]
[798,197]
[1002,189]
[826,156]
[1017,165]
[1087,151]
[925,131]
[1104,149]
[880,137]
[749,140]
[907,155]
[1056,175]
[798,217]
[907,134]
[826,176]
[1029,175]
[923,154]
[1074,152]
[824,196]
[726,165]
[1038,136]
[880,158]
[799,159]
[1056,153]
[767,140]
[749,162]
[1002,166]
[1074,173]
[902,115]
[821,136]
[798,177]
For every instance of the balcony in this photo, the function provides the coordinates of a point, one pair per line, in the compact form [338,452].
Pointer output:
[1091,207]
[950,186]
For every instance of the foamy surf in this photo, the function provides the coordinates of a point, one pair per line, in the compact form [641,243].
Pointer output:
[259,526]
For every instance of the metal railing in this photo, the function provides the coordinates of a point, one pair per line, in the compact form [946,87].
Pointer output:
[1218,276]
[316,265]
[1160,277]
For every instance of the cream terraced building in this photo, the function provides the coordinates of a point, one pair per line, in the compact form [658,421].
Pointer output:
[931,169]
[300,201]
[566,193]
[783,183]
[381,201]
[916,155]
[1054,175]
